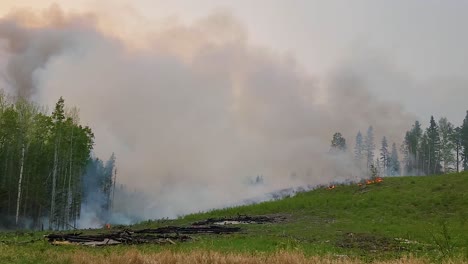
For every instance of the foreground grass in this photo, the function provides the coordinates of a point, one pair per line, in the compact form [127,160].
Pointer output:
[134,256]
[422,217]
[198,257]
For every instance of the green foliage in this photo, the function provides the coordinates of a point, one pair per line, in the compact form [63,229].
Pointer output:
[338,143]
[443,239]
[385,156]
[438,149]
[432,151]
[464,142]
[417,216]
[56,151]
[369,146]
[394,163]
[411,147]
[447,145]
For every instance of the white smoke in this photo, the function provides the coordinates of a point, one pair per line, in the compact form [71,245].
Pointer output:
[196,109]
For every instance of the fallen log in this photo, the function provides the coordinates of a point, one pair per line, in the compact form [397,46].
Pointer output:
[241,219]
[191,230]
[162,235]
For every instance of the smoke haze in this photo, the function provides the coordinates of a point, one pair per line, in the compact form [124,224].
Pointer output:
[193,111]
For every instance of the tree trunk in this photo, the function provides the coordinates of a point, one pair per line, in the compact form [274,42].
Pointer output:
[54,183]
[19,184]
[69,193]
[113,189]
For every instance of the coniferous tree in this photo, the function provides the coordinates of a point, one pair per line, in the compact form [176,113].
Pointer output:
[457,142]
[108,180]
[447,145]
[404,149]
[464,142]
[411,149]
[42,158]
[338,143]
[359,147]
[378,166]
[359,151]
[424,152]
[58,117]
[433,151]
[384,156]
[394,163]
[369,147]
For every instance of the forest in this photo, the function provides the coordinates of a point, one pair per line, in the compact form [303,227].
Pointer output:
[439,149]
[47,171]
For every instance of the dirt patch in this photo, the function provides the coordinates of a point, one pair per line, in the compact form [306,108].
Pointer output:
[369,242]
[243,219]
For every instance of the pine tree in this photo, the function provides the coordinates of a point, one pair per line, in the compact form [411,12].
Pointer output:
[369,147]
[58,117]
[424,153]
[404,149]
[433,154]
[359,150]
[457,142]
[447,145]
[378,167]
[411,149]
[394,163]
[464,142]
[107,181]
[359,147]
[338,143]
[384,156]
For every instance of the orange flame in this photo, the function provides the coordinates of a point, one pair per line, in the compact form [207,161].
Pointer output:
[369,182]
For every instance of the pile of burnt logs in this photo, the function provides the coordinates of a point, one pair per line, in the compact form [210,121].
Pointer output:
[214,229]
[241,219]
[163,235]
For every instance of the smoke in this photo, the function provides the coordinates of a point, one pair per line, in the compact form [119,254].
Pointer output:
[194,110]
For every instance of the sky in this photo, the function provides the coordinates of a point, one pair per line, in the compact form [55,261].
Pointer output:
[420,43]
[204,94]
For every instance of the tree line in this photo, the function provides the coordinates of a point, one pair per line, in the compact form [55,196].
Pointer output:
[440,148]
[43,164]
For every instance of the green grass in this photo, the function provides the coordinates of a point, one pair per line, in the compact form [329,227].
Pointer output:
[430,210]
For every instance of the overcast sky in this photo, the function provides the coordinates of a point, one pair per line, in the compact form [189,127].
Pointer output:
[413,52]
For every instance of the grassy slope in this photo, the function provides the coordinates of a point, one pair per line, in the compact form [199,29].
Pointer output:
[413,208]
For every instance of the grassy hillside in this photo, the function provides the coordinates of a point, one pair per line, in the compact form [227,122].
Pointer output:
[425,217]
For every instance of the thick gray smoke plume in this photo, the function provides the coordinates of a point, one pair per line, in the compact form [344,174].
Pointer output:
[197,111]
